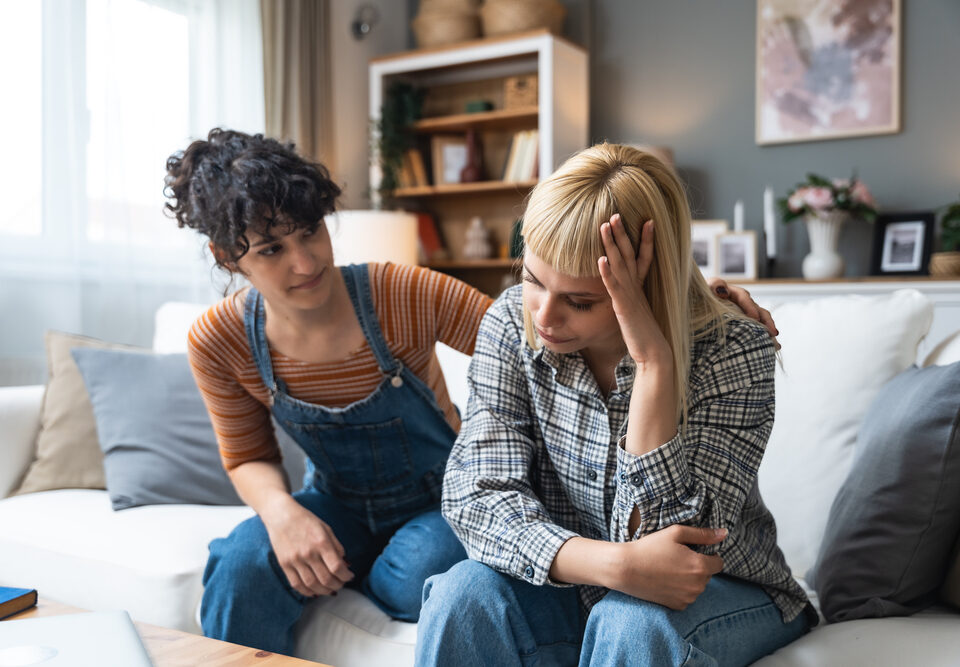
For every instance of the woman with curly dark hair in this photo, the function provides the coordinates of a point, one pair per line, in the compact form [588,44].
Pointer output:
[343,358]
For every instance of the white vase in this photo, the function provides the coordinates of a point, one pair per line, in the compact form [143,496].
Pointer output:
[824,261]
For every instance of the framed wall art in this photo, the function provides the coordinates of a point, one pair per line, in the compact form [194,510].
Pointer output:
[737,255]
[449,154]
[703,241]
[902,243]
[827,69]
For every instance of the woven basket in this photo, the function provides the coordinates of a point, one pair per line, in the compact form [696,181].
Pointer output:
[462,6]
[945,264]
[501,17]
[442,26]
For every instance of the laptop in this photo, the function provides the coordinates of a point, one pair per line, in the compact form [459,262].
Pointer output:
[93,639]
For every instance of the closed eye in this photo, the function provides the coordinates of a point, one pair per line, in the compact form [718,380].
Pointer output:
[584,306]
[580,306]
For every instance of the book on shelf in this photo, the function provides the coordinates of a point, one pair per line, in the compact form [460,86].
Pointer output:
[522,159]
[511,156]
[418,167]
[15,600]
[531,148]
[404,175]
[430,242]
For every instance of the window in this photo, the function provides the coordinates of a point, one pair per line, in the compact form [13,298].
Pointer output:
[20,175]
[106,90]
[97,95]
[137,96]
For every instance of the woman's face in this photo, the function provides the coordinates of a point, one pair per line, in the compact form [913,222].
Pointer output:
[294,270]
[570,314]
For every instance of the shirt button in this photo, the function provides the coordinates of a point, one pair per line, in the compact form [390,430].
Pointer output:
[592,474]
[528,572]
[623,476]
[636,479]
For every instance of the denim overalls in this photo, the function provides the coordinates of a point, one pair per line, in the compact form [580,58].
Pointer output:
[374,475]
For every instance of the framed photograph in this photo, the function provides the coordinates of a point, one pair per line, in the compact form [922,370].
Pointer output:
[827,69]
[703,241]
[902,243]
[737,255]
[449,155]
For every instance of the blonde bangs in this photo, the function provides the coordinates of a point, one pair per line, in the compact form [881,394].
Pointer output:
[564,232]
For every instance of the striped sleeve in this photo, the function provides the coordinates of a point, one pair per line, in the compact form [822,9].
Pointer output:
[421,306]
[220,357]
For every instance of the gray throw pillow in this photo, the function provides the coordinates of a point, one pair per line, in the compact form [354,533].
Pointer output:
[893,524]
[159,446]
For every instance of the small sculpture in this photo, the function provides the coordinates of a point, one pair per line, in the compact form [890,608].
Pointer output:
[478,240]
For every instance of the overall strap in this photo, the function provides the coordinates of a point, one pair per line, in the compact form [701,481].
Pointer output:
[357,279]
[254,322]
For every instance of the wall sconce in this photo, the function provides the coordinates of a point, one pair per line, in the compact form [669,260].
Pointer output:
[367,16]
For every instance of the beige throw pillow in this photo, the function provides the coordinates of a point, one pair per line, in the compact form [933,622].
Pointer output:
[68,452]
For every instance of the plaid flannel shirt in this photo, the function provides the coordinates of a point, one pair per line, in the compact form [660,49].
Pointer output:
[540,458]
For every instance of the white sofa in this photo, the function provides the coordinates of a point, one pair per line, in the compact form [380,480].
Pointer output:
[837,352]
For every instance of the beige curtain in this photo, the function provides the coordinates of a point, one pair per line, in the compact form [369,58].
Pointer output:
[296,75]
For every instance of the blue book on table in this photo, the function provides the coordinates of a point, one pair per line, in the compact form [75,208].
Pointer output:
[15,600]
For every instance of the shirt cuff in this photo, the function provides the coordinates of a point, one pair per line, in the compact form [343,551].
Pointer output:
[534,554]
[649,477]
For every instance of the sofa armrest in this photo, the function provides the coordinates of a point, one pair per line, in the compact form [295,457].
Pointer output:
[19,423]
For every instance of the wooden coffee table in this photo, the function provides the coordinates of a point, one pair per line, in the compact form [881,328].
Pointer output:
[173,648]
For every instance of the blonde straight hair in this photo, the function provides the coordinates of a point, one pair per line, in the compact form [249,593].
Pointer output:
[561,226]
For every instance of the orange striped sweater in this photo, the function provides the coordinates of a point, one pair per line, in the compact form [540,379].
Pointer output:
[416,308]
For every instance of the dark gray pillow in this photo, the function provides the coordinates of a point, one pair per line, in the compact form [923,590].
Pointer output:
[894,522]
[159,446]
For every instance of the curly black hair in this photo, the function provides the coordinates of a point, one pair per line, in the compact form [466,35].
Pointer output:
[234,181]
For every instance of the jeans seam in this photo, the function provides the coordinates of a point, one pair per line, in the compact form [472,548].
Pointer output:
[536,648]
[730,614]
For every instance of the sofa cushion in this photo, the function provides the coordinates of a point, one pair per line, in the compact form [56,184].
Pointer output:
[837,354]
[895,519]
[73,548]
[350,630]
[930,638]
[68,454]
[154,430]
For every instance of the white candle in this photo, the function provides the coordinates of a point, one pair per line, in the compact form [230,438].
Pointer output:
[769,223]
[738,216]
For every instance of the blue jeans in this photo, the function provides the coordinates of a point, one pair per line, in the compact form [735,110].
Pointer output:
[248,600]
[473,615]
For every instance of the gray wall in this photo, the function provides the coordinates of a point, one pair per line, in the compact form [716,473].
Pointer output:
[681,73]
[350,77]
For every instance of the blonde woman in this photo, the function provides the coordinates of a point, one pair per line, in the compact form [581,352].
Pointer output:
[604,482]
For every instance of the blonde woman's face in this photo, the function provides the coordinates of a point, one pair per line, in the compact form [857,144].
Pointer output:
[570,314]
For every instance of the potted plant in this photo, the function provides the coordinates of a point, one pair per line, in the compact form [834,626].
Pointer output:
[947,262]
[402,105]
[825,205]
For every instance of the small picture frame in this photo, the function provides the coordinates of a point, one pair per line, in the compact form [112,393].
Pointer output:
[737,255]
[449,154]
[703,243]
[902,243]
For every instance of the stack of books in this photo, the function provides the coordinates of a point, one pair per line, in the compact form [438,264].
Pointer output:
[523,162]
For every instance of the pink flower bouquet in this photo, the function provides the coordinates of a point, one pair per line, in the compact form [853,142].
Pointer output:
[818,194]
